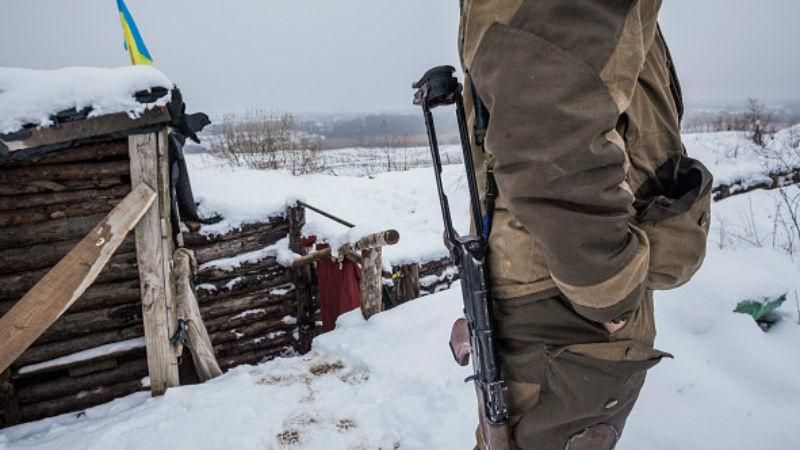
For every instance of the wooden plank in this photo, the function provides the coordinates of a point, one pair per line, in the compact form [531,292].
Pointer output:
[59,289]
[116,149]
[371,282]
[162,362]
[165,220]
[62,172]
[205,362]
[87,128]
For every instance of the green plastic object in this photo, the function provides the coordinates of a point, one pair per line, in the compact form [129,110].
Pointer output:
[758,308]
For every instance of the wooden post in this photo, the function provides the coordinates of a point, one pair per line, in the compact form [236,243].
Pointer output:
[70,278]
[371,282]
[407,288]
[153,262]
[302,281]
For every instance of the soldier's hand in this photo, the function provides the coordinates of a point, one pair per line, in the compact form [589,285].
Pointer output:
[613,326]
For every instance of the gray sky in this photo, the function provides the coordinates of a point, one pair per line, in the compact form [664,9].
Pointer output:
[362,55]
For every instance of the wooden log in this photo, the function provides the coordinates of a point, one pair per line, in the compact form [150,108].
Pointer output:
[9,401]
[302,281]
[217,275]
[98,296]
[161,359]
[253,357]
[16,260]
[371,282]
[205,362]
[773,180]
[255,343]
[45,186]
[253,329]
[243,284]
[437,266]
[69,132]
[52,212]
[80,324]
[235,305]
[116,149]
[47,232]
[251,316]
[58,198]
[63,386]
[198,239]
[119,268]
[81,400]
[53,350]
[389,237]
[68,280]
[59,172]
[238,246]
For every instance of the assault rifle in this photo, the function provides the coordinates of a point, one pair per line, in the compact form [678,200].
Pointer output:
[474,334]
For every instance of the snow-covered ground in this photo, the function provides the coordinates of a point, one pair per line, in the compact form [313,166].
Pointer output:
[390,383]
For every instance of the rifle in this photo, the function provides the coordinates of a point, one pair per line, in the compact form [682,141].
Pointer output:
[474,334]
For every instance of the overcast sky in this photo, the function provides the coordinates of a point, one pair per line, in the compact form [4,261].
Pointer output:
[362,55]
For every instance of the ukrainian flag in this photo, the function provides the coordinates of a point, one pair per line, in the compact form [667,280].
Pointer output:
[133,40]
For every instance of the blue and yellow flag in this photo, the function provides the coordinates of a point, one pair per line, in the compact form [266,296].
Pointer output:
[134,43]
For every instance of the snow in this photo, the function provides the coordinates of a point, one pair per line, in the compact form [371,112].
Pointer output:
[31,97]
[390,382]
[732,157]
[404,201]
[85,355]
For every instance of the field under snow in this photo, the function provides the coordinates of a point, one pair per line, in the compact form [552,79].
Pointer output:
[390,383]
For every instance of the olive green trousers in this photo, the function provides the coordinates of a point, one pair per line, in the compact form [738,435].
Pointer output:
[571,384]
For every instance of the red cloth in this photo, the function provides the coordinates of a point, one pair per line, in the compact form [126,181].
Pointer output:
[339,290]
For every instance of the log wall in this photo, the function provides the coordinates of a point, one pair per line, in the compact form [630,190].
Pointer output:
[47,204]
[250,307]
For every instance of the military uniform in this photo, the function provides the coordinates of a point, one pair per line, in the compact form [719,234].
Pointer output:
[597,203]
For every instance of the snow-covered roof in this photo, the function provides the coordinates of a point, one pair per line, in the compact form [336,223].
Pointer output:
[33,97]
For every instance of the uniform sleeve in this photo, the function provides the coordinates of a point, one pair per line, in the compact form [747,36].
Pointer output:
[556,79]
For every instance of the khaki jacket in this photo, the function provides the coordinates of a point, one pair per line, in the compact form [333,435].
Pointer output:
[584,140]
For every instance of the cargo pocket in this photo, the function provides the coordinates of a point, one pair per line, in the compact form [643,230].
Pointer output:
[586,384]
[674,210]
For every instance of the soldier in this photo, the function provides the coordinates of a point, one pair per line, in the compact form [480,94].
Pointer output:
[595,204]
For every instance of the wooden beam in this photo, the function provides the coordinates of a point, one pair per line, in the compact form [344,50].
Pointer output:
[384,238]
[162,362]
[82,129]
[205,362]
[59,289]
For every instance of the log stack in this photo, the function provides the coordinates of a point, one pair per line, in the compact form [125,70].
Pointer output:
[436,275]
[249,302]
